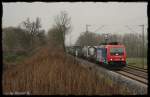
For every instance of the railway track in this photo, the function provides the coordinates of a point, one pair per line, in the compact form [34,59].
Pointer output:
[137,74]
[140,73]
[134,77]
[137,68]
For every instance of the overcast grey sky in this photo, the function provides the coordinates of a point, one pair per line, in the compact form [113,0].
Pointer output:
[113,15]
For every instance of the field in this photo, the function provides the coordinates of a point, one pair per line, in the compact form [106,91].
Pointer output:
[50,73]
[138,62]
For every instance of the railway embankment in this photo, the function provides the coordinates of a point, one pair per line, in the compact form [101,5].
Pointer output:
[133,85]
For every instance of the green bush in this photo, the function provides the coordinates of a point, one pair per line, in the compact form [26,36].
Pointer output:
[13,57]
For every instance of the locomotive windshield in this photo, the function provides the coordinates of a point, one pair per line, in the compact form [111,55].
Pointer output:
[116,51]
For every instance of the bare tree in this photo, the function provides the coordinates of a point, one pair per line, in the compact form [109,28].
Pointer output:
[88,38]
[63,25]
[133,45]
[32,27]
[55,37]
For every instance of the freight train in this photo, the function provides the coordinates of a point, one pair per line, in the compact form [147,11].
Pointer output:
[111,54]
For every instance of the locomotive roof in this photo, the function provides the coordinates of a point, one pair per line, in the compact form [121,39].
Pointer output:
[109,45]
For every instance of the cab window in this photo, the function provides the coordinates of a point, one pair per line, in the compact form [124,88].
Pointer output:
[116,51]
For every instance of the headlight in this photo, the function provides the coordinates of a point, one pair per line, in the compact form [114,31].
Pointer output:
[111,59]
[122,59]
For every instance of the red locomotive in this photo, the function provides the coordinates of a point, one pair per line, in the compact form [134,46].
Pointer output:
[112,55]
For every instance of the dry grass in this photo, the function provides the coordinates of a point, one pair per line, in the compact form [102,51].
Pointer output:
[49,72]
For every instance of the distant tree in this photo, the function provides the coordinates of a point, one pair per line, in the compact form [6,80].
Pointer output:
[133,45]
[34,29]
[115,38]
[41,38]
[88,38]
[55,37]
[101,38]
[15,38]
[62,26]
[9,38]
[27,36]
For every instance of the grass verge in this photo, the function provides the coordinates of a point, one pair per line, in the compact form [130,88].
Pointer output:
[138,62]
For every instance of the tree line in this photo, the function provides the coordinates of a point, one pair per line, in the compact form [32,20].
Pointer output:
[132,41]
[29,35]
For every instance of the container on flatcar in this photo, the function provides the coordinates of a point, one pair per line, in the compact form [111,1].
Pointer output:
[76,51]
[89,52]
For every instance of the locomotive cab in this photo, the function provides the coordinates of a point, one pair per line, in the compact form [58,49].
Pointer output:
[116,55]
[111,55]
